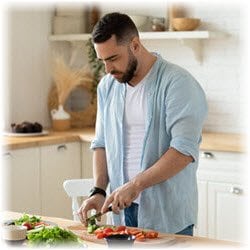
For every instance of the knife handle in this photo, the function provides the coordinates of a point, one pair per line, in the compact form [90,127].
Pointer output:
[109,209]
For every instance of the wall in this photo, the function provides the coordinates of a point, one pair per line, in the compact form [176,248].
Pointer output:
[219,73]
[28,65]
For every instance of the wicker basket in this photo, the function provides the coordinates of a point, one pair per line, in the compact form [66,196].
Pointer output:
[79,119]
[185,24]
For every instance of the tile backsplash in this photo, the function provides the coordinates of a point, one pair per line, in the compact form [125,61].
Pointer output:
[221,70]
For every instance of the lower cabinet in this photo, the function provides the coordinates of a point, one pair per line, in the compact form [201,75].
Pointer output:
[201,228]
[21,181]
[58,163]
[222,196]
[33,179]
[227,212]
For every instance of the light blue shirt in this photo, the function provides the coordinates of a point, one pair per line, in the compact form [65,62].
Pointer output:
[176,111]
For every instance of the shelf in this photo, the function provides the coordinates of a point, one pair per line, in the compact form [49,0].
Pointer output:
[144,35]
[191,39]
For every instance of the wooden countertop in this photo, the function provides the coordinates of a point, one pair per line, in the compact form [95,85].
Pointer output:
[210,141]
[176,240]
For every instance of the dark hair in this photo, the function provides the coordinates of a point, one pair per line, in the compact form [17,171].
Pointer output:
[116,24]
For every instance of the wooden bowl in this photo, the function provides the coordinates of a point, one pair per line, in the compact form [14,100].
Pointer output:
[185,24]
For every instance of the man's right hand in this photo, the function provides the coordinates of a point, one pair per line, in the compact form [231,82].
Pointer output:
[95,202]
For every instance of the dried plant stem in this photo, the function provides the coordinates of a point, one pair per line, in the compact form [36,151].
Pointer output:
[67,79]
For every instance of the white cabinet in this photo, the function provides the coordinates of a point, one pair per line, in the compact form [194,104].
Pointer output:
[226,211]
[21,180]
[58,163]
[201,230]
[222,196]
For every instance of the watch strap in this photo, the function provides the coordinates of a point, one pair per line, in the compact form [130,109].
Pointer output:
[97,190]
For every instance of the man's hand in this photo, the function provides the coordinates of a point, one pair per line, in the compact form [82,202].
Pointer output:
[94,202]
[121,198]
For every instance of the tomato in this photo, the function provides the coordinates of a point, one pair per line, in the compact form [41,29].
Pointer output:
[108,230]
[120,228]
[151,234]
[134,231]
[140,236]
[28,225]
[100,235]
[98,230]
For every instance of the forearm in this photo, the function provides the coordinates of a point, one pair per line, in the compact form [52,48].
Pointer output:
[100,172]
[171,163]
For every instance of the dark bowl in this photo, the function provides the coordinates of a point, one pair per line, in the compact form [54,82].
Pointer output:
[120,240]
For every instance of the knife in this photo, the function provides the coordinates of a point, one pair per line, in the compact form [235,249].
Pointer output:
[95,216]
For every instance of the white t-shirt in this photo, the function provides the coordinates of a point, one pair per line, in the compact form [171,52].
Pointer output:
[134,124]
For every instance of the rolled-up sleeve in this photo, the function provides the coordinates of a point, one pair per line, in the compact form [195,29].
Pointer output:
[99,141]
[186,109]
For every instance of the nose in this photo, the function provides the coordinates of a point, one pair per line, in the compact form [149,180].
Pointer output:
[108,67]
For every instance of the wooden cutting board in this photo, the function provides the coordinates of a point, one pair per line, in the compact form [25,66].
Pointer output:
[81,232]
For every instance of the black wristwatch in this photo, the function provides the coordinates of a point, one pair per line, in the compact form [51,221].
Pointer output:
[97,190]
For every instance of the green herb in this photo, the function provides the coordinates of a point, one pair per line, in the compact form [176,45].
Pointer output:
[26,218]
[97,67]
[52,236]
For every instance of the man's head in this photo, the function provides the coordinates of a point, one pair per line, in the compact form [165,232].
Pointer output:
[116,24]
[116,42]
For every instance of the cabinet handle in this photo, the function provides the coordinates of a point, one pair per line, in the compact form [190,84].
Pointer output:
[61,147]
[7,154]
[236,190]
[207,155]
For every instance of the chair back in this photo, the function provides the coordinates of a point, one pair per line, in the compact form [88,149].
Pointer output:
[76,188]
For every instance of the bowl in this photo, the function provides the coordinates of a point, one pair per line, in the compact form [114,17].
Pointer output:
[14,234]
[139,21]
[120,240]
[185,24]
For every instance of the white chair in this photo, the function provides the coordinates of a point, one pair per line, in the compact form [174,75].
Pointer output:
[77,188]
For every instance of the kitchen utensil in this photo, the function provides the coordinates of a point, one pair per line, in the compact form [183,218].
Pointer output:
[95,216]
[163,239]
[185,24]
[120,240]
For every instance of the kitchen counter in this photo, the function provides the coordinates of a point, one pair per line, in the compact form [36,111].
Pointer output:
[163,240]
[210,141]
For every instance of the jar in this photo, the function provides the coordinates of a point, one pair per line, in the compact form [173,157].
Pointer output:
[158,25]
[60,119]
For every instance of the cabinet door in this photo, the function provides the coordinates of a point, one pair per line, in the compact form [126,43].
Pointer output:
[87,161]
[201,227]
[58,163]
[21,183]
[226,212]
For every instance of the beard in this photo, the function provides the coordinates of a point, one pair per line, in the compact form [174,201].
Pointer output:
[130,70]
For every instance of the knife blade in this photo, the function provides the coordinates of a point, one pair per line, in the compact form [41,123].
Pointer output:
[95,216]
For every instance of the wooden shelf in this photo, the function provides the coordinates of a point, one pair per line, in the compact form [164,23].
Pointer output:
[190,39]
[144,35]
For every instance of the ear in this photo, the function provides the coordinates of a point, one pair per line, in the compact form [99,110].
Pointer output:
[135,45]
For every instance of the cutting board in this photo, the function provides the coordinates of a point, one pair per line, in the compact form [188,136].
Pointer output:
[81,232]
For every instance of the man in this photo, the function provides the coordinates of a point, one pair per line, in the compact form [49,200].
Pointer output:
[148,131]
